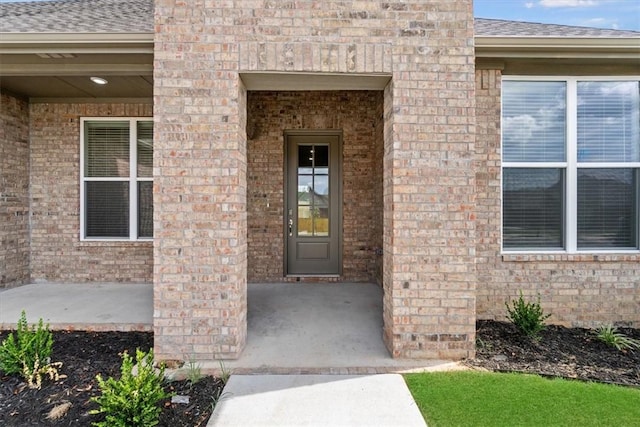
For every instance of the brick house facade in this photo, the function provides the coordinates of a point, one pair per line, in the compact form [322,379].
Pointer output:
[415,97]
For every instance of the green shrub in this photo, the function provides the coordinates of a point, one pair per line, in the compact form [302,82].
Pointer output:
[527,316]
[194,371]
[610,335]
[28,353]
[131,401]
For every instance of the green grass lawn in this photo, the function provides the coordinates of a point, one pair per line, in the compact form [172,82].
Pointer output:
[488,399]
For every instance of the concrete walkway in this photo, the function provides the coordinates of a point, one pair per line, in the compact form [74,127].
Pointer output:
[316,400]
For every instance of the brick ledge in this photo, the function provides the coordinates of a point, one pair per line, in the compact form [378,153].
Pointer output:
[571,257]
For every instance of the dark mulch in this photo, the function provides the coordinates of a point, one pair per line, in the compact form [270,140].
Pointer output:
[83,356]
[564,352]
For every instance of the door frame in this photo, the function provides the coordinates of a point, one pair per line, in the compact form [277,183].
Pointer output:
[312,132]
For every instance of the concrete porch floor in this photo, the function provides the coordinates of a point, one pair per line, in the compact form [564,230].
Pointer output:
[301,328]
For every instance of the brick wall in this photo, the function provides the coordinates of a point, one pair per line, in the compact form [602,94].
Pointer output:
[578,290]
[353,112]
[57,254]
[14,191]
[426,47]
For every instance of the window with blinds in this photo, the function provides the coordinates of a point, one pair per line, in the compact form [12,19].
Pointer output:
[534,122]
[570,161]
[117,183]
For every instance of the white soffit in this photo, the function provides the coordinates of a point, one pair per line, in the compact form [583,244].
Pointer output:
[313,81]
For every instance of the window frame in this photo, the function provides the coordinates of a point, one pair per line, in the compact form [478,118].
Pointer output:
[133,179]
[570,166]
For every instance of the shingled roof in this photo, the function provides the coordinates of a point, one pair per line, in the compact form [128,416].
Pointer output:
[136,16]
[77,16]
[501,28]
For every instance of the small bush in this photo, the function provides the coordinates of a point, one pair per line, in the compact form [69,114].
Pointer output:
[527,316]
[28,353]
[610,335]
[131,401]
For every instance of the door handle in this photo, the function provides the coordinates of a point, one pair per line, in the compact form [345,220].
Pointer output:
[290,227]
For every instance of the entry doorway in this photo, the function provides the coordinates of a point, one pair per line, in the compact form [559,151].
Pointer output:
[313,203]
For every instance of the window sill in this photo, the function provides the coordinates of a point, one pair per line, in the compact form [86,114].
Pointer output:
[114,242]
[630,256]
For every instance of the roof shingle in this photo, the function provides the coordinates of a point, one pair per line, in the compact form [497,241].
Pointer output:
[501,28]
[136,16]
[77,16]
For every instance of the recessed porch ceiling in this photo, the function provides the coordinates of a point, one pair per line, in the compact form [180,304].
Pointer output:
[38,87]
[58,66]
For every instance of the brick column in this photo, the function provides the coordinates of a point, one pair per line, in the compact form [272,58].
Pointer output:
[200,261]
[429,187]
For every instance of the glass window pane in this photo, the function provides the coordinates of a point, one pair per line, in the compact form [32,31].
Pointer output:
[107,149]
[533,208]
[321,155]
[107,209]
[321,185]
[608,121]
[321,205]
[305,205]
[607,208]
[145,209]
[320,215]
[145,149]
[305,156]
[533,121]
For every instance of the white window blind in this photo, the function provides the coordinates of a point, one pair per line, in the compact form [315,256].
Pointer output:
[145,149]
[534,121]
[607,208]
[533,208]
[107,209]
[107,149]
[608,121]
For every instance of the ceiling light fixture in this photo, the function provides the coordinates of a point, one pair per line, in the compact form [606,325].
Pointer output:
[99,80]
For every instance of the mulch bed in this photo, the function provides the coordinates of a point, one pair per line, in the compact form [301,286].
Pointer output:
[565,352]
[83,356]
[561,352]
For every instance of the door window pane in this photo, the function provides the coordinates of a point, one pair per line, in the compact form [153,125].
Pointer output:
[313,190]
[305,156]
[534,121]
[321,185]
[533,208]
[305,205]
[107,208]
[607,208]
[321,157]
